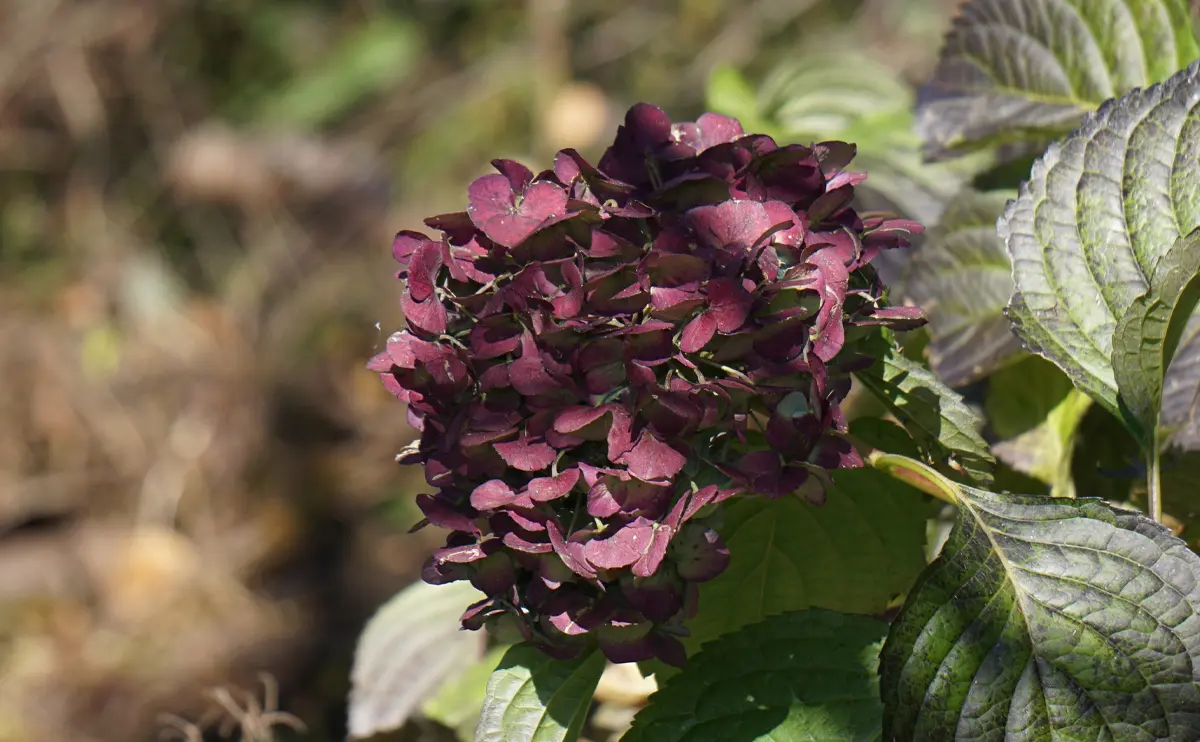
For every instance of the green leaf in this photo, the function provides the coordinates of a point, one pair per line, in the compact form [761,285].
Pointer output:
[963,278]
[1180,414]
[1147,335]
[855,553]
[1012,70]
[1036,412]
[809,675]
[459,701]
[933,414]
[534,698]
[408,648]
[1048,618]
[1099,212]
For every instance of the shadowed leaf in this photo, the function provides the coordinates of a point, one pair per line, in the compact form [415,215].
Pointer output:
[775,680]
[933,414]
[963,278]
[855,553]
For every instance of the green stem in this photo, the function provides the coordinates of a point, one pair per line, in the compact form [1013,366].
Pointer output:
[1154,481]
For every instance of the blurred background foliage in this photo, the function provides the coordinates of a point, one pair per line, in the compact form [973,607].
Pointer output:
[197,199]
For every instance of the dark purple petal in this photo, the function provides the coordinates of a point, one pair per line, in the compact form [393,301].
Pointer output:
[509,218]
[526,454]
[650,459]
[732,226]
[630,543]
[545,489]
[698,332]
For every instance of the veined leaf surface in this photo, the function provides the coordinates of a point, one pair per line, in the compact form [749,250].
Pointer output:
[1013,70]
[1048,618]
[1099,212]
[808,675]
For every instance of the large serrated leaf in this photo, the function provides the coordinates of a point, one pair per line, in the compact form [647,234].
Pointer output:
[1146,337]
[855,553]
[809,675]
[963,278]
[408,648]
[934,415]
[1099,212]
[1029,69]
[1046,618]
[532,697]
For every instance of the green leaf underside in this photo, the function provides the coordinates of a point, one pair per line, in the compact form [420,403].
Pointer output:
[408,648]
[809,675]
[1100,210]
[1147,335]
[1180,414]
[1048,619]
[457,704]
[855,553]
[934,415]
[963,279]
[534,698]
[1015,69]
[1036,412]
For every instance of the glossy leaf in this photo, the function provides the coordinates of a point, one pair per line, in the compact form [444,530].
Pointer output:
[962,278]
[855,553]
[1100,211]
[1048,618]
[408,648]
[1147,335]
[535,698]
[1029,69]
[934,415]
[809,675]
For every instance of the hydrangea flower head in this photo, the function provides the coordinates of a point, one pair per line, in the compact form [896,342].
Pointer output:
[596,355]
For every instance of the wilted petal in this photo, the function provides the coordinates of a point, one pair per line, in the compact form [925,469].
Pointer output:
[623,548]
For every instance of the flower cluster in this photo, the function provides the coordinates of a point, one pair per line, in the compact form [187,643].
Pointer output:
[595,355]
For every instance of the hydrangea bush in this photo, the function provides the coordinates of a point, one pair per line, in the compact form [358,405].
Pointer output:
[595,355]
[629,381]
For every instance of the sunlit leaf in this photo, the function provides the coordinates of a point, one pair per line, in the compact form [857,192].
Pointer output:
[1048,618]
[809,675]
[409,647]
[935,415]
[962,277]
[1146,337]
[1100,211]
[855,553]
[535,698]
[1029,69]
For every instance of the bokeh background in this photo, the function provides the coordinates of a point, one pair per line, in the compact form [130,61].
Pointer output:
[197,199]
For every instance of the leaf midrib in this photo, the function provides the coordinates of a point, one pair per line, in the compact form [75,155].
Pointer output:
[1020,596]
